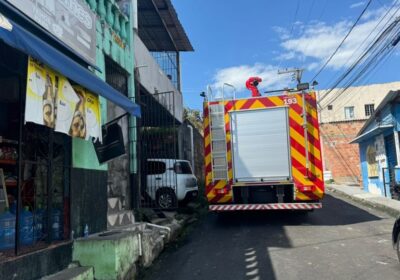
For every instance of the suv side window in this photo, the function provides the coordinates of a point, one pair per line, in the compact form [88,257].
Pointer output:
[155,167]
[182,167]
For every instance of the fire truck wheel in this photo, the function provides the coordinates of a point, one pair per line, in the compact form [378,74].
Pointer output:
[166,198]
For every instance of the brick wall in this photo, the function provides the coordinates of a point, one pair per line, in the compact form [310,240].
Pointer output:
[340,157]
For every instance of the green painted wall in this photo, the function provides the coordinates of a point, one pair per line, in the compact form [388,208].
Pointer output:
[110,29]
[112,257]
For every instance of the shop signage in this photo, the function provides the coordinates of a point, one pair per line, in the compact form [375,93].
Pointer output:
[52,101]
[71,21]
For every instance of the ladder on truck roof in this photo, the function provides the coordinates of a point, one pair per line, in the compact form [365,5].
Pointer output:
[219,158]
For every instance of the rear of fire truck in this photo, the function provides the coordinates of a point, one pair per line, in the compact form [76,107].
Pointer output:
[263,153]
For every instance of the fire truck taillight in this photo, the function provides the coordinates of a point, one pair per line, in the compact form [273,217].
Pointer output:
[306,188]
[221,191]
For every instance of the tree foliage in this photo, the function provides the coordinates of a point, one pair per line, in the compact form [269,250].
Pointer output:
[194,117]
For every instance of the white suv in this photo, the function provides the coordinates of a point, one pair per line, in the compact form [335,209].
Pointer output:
[170,181]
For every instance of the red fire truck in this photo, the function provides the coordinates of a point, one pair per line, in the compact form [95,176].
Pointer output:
[263,152]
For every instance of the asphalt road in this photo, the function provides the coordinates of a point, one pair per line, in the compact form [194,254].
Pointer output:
[341,241]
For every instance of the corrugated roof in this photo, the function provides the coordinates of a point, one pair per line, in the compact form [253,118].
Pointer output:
[160,28]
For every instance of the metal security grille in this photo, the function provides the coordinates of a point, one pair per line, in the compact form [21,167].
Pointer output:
[116,76]
[158,151]
[169,63]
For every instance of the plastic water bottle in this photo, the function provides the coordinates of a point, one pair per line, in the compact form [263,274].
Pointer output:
[26,227]
[39,223]
[57,224]
[86,231]
[7,230]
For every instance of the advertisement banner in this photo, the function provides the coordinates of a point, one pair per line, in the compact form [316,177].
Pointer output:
[86,122]
[93,116]
[67,100]
[71,21]
[52,101]
[41,94]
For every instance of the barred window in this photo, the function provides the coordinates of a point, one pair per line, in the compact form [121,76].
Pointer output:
[369,109]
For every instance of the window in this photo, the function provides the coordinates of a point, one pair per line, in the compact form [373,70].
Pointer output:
[371,162]
[155,167]
[349,113]
[182,167]
[330,107]
[369,109]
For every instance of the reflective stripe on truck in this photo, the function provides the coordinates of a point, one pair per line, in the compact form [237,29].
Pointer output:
[269,206]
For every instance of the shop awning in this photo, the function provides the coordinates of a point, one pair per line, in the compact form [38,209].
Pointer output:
[19,38]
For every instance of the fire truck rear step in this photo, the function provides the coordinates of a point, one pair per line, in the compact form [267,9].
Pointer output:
[268,206]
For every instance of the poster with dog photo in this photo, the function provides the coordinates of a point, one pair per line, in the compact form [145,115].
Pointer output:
[52,101]
[42,86]
[86,122]
[93,116]
[67,100]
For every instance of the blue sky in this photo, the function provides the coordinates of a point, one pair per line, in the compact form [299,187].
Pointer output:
[236,39]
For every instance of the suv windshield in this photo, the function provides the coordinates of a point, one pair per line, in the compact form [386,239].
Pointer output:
[182,167]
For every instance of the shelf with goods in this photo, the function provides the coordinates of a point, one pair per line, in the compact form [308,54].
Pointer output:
[8,164]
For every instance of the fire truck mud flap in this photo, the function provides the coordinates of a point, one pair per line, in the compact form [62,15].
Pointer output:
[269,206]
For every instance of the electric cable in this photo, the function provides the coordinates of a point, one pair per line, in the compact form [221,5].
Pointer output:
[341,43]
[377,58]
[375,45]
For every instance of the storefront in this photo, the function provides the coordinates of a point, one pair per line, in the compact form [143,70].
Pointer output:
[47,99]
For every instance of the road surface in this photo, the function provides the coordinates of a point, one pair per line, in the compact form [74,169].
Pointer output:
[343,240]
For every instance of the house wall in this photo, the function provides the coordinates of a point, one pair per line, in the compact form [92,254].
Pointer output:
[340,157]
[89,179]
[354,96]
[153,79]
[374,184]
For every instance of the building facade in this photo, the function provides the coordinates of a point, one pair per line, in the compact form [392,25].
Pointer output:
[55,180]
[378,142]
[341,116]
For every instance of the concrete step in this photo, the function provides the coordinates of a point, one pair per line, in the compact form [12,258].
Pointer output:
[120,218]
[73,273]
[114,204]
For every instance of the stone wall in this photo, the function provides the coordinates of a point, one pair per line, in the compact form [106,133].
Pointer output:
[340,157]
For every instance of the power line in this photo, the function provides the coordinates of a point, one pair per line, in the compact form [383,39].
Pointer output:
[344,39]
[310,10]
[292,28]
[372,43]
[295,17]
[376,26]
[380,49]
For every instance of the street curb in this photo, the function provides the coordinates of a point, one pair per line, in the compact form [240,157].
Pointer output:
[388,210]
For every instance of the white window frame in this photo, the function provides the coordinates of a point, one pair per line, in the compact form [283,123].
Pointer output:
[369,109]
[349,116]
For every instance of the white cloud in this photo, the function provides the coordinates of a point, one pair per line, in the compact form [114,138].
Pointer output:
[358,4]
[238,75]
[318,40]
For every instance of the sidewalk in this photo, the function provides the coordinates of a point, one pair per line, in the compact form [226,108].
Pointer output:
[390,206]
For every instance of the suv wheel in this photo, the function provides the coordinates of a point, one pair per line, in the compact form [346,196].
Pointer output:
[166,199]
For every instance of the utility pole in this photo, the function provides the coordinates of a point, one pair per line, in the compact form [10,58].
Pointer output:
[296,72]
